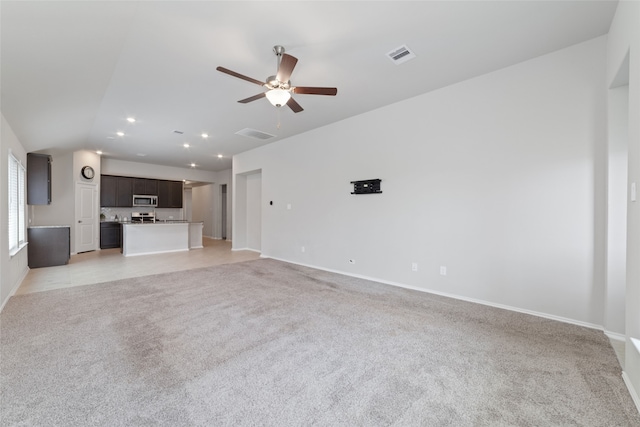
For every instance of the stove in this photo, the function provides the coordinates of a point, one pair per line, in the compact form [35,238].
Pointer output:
[143,217]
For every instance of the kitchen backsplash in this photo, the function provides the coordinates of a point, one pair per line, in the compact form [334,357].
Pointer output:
[124,214]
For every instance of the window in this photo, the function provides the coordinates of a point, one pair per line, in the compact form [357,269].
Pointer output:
[16,205]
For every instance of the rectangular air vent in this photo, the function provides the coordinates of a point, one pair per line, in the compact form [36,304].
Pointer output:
[400,54]
[253,133]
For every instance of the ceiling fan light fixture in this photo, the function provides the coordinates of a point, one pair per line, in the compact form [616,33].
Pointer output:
[278,97]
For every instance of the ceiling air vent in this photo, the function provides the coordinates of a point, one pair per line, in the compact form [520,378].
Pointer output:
[253,133]
[400,54]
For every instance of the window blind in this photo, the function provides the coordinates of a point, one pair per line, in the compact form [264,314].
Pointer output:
[17,207]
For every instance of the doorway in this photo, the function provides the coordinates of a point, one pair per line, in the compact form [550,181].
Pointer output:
[223,209]
[617,190]
[86,213]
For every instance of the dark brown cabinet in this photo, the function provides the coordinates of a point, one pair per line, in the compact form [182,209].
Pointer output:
[48,246]
[118,191]
[110,235]
[146,187]
[38,179]
[108,190]
[169,194]
[125,192]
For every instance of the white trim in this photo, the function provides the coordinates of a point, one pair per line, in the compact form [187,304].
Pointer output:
[249,249]
[15,288]
[458,297]
[632,391]
[16,251]
[616,336]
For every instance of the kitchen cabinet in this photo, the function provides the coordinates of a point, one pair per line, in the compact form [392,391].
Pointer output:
[48,246]
[118,191]
[110,235]
[38,179]
[108,190]
[125,192]
[169,194]
[145,186]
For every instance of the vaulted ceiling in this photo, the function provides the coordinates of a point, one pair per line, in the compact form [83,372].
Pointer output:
[72,72]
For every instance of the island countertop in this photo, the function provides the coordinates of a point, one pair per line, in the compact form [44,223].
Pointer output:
[160,237]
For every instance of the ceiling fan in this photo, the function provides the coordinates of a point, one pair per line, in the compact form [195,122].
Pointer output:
[279,87]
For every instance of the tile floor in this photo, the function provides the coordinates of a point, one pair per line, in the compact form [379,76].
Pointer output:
[109,264]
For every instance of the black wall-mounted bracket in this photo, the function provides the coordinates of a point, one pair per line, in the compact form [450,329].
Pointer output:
[368,186]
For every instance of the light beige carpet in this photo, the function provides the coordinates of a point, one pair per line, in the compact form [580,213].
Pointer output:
[269,343]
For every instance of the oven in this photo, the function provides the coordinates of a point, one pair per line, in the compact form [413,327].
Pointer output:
[143,217]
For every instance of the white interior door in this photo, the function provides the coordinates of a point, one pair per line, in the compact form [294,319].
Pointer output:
[86,213]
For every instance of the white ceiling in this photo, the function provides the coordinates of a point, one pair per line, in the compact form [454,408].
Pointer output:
[72,72]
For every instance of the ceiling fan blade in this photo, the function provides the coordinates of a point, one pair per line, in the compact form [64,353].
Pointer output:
[252,98]
[287,64]
[240,76]
[295,107]
[305,90]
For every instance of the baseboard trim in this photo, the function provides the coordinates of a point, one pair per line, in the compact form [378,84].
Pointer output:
[15,288]
[247,249]
[454,296]
[615,336]
[632,391]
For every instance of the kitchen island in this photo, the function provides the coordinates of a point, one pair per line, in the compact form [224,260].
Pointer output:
[160,237]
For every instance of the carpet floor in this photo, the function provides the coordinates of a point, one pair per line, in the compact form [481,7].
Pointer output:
[269,343]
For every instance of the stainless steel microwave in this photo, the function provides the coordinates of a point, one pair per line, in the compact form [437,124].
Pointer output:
[141,200]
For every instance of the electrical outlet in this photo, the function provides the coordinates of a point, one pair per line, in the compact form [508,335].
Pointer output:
[414,266]
[352,261]
[443,270]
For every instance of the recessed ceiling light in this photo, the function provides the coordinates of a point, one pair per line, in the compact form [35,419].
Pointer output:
[219,156]
[99,152]
[131,120]
[193,165]
[120,133]
[205,135]
[185,145]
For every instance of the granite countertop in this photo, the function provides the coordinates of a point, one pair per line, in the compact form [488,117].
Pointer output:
[49,226]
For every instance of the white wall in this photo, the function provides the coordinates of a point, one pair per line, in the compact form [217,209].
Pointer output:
[618,146]
[493,177]
[65,172]
[624,40]
[202,207]
[12,268]
[254,211]
[145,170]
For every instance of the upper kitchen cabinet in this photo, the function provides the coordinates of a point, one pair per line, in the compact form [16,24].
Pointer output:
[38,179]
[116,191]
[108,190]
[169,194]
[146,187]
[124,195]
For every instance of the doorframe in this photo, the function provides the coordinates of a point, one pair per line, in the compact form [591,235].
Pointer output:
[96,211]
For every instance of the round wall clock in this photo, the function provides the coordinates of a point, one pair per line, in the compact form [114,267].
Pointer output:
[87,172]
